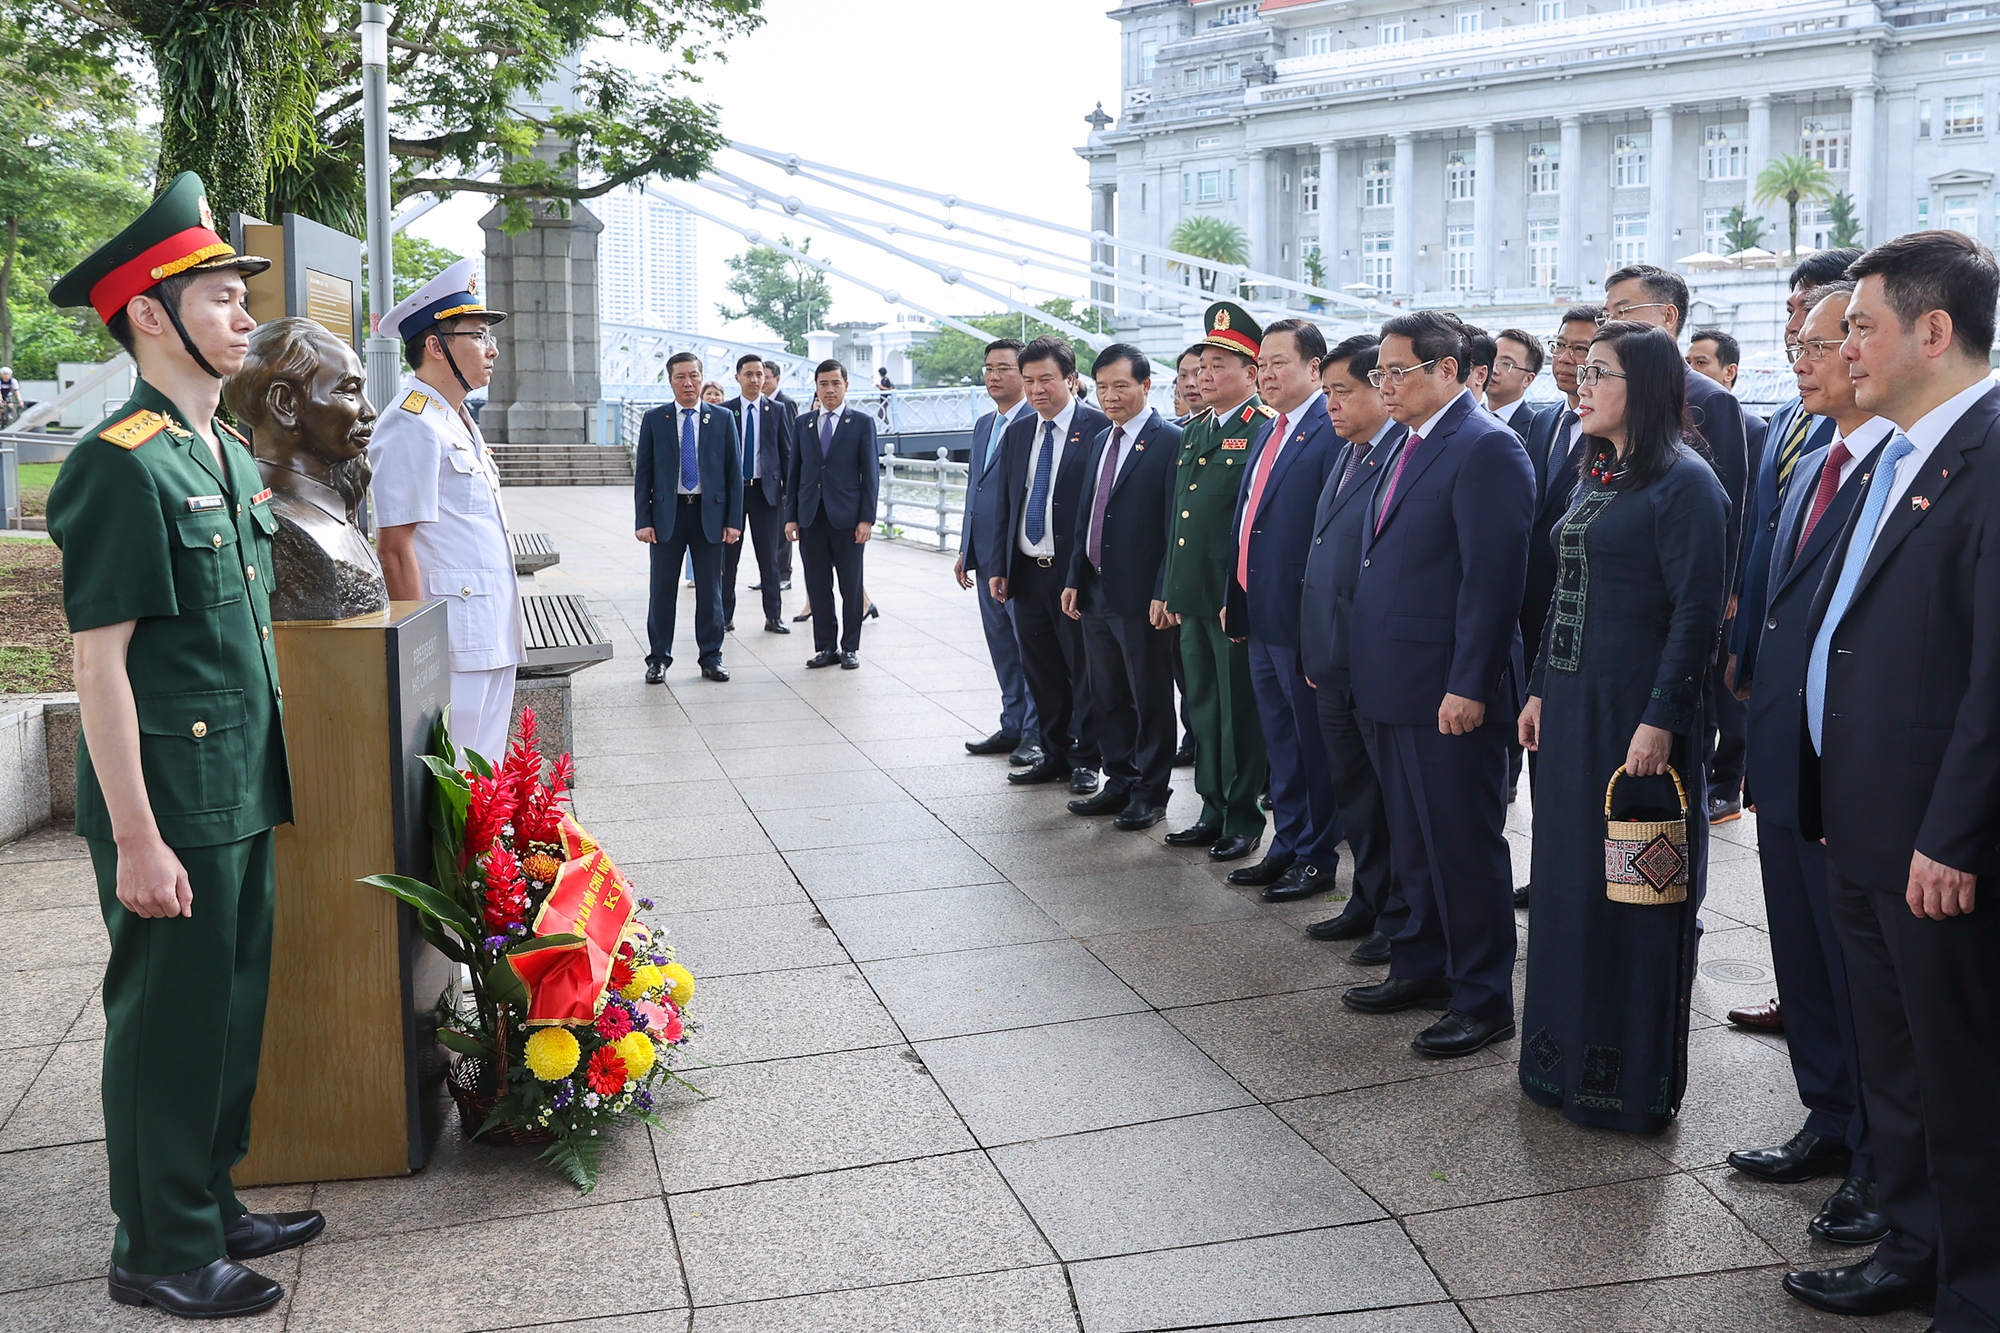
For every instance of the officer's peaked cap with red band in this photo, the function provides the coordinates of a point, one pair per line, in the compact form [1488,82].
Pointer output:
[1229,325]
[176,234]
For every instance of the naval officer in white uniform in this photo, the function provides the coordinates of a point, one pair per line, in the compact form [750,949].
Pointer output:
[440,530]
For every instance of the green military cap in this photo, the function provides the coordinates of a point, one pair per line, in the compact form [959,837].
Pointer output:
[176,234]
[1227,324]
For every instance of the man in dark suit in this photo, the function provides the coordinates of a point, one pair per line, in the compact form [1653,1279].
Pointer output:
[1902,776]
[687,481]
[1290,459]
[1435,662]
[830,513]
[1805,950]
[1019,733]
[1026,556]
[1517,361]
[774,379]
[1376,912]
[766,428]
[1114,593]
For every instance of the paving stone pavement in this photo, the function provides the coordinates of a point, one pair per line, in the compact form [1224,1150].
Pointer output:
[976,1063]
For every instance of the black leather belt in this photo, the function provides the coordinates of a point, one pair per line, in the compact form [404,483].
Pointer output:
[1045,561]
[694,499]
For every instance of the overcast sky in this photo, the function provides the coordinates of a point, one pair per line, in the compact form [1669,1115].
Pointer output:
[983,100]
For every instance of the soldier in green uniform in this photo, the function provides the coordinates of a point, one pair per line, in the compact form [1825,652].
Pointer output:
[1228,740]
[165,529]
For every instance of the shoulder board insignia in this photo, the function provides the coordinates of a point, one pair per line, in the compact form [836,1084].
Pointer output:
[1250,412]
[261,496]
[134,430]
[1236,444]
[416,402]
[232,433]
[1267,409]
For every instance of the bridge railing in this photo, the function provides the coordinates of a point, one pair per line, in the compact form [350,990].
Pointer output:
[921,500]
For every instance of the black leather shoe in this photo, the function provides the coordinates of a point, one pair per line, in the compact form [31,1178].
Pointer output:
[1233,847]
[1521,899]
[1044,769]
[221,1290]
[784,585]
[1267,871]
[1194,835]
[1083,781]
[1801,1157]
[1027,752]
[1301,881]
[825,659]
[254,1235]
[1459,1034]
[1721,809]
[1397,994]
[998,743]
[1857,1289]
[717,672]
[776,627]
[1184,757]
[1138,815]
[1371,952]
[873,612]
[802,616]
[850,661]
[1851,1215]
[1264,802]
[656,672]
[729,627]
[1106,802]
[1352,923]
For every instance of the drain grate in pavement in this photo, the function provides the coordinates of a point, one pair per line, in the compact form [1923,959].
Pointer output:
[1737,971]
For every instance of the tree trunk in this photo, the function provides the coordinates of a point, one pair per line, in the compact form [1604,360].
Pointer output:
[7,290]
[1792,208]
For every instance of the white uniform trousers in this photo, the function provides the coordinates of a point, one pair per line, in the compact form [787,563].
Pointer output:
[482,708]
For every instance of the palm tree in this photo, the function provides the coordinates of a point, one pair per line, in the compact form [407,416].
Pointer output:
[1846,220]
[1209,238]
[1740,232]
[1793,178]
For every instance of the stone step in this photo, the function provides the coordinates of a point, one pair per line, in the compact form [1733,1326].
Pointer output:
[562,465]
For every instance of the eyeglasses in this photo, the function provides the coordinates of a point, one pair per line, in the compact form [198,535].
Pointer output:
[1394,375]
[1812,349]
[484,337]
[1588,375]
[1557,347]
[1508,365]
[1606,316]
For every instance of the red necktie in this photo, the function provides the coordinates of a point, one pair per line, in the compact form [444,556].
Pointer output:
[1829,486]
[1262,475]
[1409,448]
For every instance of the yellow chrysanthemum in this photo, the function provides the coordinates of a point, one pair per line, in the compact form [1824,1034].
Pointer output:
[680,982]
[636,1050]
[646,978]
[552,1053]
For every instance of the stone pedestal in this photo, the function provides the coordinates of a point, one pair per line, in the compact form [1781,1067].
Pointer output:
[545,383]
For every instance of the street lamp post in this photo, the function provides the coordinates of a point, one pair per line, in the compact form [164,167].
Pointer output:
[382,349]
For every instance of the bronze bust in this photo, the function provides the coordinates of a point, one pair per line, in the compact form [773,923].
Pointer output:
[301,394]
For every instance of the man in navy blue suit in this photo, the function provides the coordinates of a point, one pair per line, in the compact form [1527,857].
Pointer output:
[1018,734]
[1289,461]
[830,513]
[1114,593]
[1435,662]
[766,428]
[687,480]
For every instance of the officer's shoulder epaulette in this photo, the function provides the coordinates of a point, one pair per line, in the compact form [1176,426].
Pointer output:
[233,433]
[416,402]
[1266,409]
[134,430]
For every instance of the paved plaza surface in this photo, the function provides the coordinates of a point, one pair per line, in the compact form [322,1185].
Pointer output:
[976,1063]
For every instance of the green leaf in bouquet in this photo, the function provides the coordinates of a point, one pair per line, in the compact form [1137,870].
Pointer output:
[503,985]
[540,942]
[449,779]
[477,763]
[425,899]
[576,1156]
[442,942]
[464,1044]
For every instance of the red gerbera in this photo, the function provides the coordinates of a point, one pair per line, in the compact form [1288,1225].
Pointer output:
[605,1072]
[614,1022]
[621,975]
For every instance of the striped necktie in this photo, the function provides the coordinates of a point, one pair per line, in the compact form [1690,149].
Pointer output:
[1794,447]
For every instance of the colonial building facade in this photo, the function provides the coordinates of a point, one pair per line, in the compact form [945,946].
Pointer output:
[1514,152]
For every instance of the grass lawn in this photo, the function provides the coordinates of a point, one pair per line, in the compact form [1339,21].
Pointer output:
[36,478]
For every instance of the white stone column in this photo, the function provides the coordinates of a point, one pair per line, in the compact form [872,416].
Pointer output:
[1257,210]
[1485,195]
[1861,171]
[1103,218]
[1759,138]
[1329,212]
[1569,204]
[1660,195]
[1405,186]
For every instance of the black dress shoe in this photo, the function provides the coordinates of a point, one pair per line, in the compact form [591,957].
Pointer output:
[873,612]
[850,661]
[220,1290]
[254,1235]
[1721,809]
[1371,952]
[1083,781]
[825,659]
[1459,1034]
[1851,1215]
[1138,815]
[1801,1157]
[1264,802]
[1521,899]
[1044,769]
[1107,802]
[1352,923]
[998,743]
[1024,754]
[1397,994]
[1267,871]
[716,672]
[728,627]
[776,627]
[656,672]
[1184,757]
[1301,881]
[1196,834]
[784,585]
[1233,847]
[803,616]
[1857,1289]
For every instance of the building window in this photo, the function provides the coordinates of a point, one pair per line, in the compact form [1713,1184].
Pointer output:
[1392,32]
[1469,18]
[1544,246]
[1208,141]
[1378,260]
[1715,230]
[1458,258]
[1964,116]
[1378,182]
[1209,187]
[1964,57]
[1187,188]
[1827,140]
[1231,14]
[1211,74]
[1149,57]
[1923,214]
[1319,41]
[1924,118]
[1628,238]
[1638,4]
[1232,182]
[1815,225]
[1544,167]
[1458,175]
[1628,158]
[1190,77]
[1549,11]
[1231,72]
[1961,213]
[1308,189]
[1142,203]
[1726,152]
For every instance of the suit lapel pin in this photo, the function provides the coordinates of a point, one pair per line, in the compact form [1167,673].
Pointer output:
[704,418]
[1919,502]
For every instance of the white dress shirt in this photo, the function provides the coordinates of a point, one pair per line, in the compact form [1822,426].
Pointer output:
[1866,436]
[1291,420]
[1508,413]
[1046,547]
[1933,426]
[1431,425]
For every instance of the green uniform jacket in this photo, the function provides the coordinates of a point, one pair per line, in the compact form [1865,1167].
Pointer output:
[150,532]
[1199,550]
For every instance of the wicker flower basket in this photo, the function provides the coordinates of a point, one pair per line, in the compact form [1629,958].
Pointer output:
[1646,860]
[464,1079]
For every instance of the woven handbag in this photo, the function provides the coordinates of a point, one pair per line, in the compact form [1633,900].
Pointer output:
[1646,860]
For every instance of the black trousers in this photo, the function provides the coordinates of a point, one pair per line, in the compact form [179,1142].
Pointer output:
[1180,683]
[1926,998]
[1052,660]
[684,541]
[1130,668]
[827,551]
[765,528]
[1357,794]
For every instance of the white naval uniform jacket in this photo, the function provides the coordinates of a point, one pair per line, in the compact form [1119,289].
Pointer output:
[433,469]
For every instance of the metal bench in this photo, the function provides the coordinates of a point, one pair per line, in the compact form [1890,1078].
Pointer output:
[562,635]
[533,551]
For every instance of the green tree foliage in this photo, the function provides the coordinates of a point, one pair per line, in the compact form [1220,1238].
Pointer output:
[1740,232]
[1846,216]
[958,358]
[1794,178]
[1208,237]
[787,296]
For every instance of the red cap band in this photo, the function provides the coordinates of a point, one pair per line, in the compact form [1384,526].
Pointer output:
[136,276]
[1242,342]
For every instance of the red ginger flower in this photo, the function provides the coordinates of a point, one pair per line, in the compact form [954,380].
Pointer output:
[491,806]
[605,1072]
[506,905]
[614,1022]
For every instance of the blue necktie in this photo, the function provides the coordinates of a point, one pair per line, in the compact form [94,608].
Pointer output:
[690,465]
[1038,494]
[749,441]
[993,441]
[1850,574]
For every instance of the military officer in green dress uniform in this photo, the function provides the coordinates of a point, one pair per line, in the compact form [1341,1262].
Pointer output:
[1229,741]
[165,529]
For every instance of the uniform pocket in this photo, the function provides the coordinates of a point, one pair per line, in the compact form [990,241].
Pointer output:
[267,522]
[463,489]
[193,752]
[208,567]
[472,599]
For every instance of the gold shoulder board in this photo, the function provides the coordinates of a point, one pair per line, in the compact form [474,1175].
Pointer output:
[134,430]
[415,402]
[1267,409]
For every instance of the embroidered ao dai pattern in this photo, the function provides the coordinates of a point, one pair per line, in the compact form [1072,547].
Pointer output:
[1638,601]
